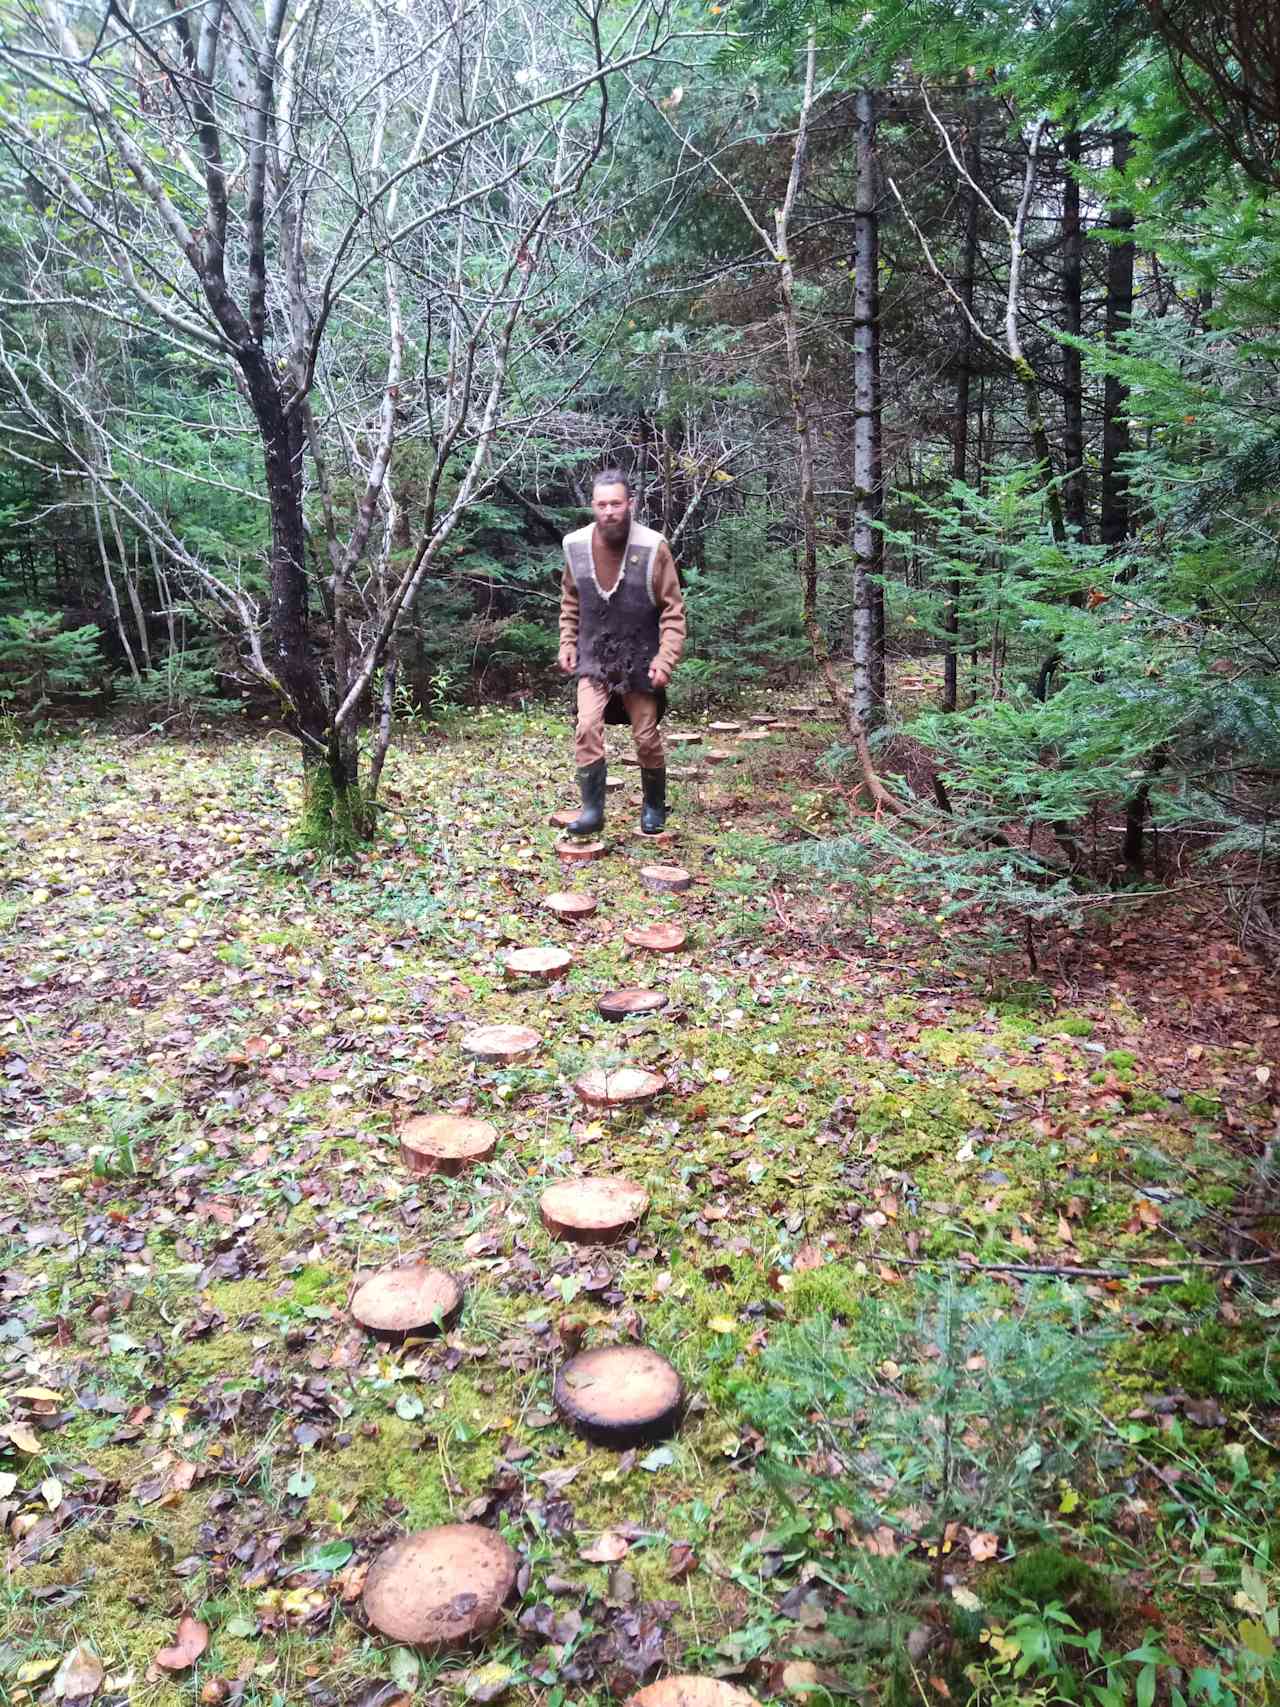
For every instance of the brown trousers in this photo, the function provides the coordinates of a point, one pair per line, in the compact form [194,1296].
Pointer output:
[642,709]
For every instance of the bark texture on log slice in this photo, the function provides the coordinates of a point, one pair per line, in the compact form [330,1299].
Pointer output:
[802,710]
[440,1587]
[725,728]
[617,1087]
[593,1210]
[501,1042]
[570,904]
[668,879]
[445,1143]
[690,1692]
[621,1004]
[683,737]
[571,850]
[661,938]
[562,819]
[759,717]
[544,963]
[615,782]
[686,773]
[718,756]
[397,1302]
[631,760]
[755,734]
[619,1395]
[781,726]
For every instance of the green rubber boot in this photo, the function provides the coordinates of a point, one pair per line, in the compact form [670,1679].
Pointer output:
[653,814]
[591,780]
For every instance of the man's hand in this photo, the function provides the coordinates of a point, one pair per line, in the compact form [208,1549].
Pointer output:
[568,659]
[659,674]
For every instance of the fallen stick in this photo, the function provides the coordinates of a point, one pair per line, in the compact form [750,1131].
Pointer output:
[1072,1269]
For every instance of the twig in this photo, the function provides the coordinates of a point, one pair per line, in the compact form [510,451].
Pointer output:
[1146,1463]
[1073,1269]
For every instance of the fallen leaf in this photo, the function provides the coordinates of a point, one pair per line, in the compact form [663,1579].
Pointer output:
[605,1549]
[808,1257]
[983,1544]
[80,1674]
[191,1641]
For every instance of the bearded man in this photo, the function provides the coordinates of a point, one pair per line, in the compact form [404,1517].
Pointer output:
[622,631]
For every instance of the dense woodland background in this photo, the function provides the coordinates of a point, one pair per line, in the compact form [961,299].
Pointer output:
[931,331]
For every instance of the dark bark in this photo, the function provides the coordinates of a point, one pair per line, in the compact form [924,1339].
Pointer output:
[868,479]
[1075,490]
[1114,528]
[964,386]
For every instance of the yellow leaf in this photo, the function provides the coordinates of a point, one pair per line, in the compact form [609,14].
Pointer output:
[46,1393]
[723,1325]
[34,1670]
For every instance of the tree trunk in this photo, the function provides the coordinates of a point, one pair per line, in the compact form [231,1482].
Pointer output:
[1114,527]
[868,542]
[1075,491]
[964,385]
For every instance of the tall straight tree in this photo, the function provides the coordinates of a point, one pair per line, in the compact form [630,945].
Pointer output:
[1075,498]
[1114,520]
[964,382]
[868,445]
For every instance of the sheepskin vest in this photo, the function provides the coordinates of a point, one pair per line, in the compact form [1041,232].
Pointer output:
[618,630]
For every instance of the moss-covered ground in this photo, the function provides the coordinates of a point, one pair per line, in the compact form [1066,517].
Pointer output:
[207,1042]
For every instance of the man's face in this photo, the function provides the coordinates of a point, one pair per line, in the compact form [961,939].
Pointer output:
[612,509]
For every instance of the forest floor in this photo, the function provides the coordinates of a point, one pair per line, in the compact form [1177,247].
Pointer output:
[892,1461]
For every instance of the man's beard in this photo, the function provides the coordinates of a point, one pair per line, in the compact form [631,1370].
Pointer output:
[614,532]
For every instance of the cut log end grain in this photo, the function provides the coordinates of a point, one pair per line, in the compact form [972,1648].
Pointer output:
[440,1588]
[572,851]
[621,1004]
[541,963]
[619,1087]
[763,717]
[690,1692]
[683,737]
[619,1395]
[806,710]
[445,1143]
[562,819]
[718,756]
[725,728]
[659,938]
[570,905]
[755,734]
[397,1302]
[686,773]
[615,782]
[667,879]
[594,1210]
[501,1042]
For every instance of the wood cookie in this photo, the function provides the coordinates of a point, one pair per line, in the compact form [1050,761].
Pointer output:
[445,1143]
[397,1302]
[501,1043]
[592,1210]
[666,879]
[570,904]
[619,1087]
[620,1395]
[661,937]
[541,963]
[441,1587]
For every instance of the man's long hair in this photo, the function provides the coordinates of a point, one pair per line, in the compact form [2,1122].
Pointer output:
[612,477]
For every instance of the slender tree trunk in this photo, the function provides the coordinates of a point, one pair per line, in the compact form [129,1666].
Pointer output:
[964,385]
[1114,527]
[868,541]
[1075,491]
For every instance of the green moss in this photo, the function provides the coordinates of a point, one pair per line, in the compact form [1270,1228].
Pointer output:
[1121,1060]
[835,1288]
[1045,1573]
[1073,1025]
[1202,1107]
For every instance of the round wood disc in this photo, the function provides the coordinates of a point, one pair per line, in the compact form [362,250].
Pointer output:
[501,1042]
[397,1302]
[618,1087]
[440,1587]
[572,850]
[725,728]
[759,717]
[683,737]
[690,1692]
[755,734]
[543,963]
[780,725]
[718,756]
[802,710]
[619,1395]
[615,782]
[570,904]
[445,1143]
[593,1210]
[631,760]
[621,1004]
[669,879]
[686,773]
[562,818]
[662,938]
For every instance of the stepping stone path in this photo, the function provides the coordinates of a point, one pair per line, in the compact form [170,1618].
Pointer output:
[592,1210]
[445,1143]
[574,850]
[619,1087]
[666,879]
[541,963]
[661,938]
[397,1302]
[759,717]
[684,737]
[501,1043]
[621,1004]
[690,1692]
[440,1588]
[619,1395]
[570,904]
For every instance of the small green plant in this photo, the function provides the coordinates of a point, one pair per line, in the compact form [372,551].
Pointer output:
[41,662]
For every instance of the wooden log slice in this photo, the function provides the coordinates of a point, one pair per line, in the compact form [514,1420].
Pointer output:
[619,1087]
[684,737]
[445,1143]
[501,1042]
[718,756]
[593,1210]
[397,1302]
[573,850]
[621,1004]
[630,759]
[569,904]
[686,773]
[725,728]
[755,734]
[667,879]
[543,963]
[802,711]
[781,725]
[661,938]
[690,1692]
[441,1587]
[615,782]
[619,1395]
[561,819]
[759,717]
